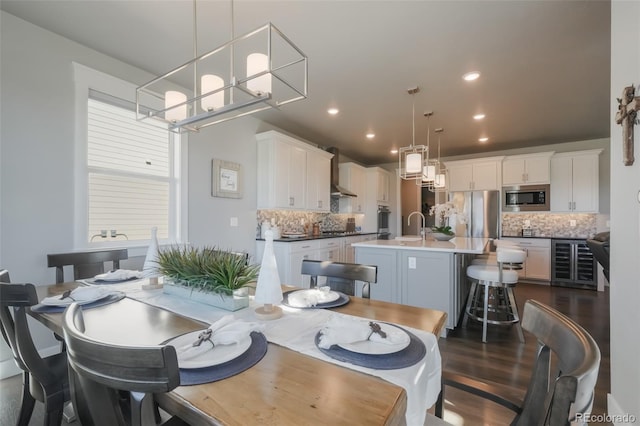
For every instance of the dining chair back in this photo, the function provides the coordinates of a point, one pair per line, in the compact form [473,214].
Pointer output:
[341,276]
[102,372]
[561,389]
[85,264]
[43,379]
[599,246]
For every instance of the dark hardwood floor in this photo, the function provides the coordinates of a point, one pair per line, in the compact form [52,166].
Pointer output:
[507,361]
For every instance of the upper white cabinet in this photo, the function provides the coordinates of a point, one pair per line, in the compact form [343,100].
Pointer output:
[318,181]
[285,179]
[526,169]
[575,181]
[377,182]
[475,175]
[353,177]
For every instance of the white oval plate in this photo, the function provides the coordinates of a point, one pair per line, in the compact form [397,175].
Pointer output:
[56,301]
[217,355]
[300,295]
[376,348]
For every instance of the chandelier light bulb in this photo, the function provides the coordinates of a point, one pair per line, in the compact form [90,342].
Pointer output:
[209,83]
[257,63]
[414,162]
[175,113]
[428,173]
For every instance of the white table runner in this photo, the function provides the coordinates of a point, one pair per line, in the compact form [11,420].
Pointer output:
[296,330]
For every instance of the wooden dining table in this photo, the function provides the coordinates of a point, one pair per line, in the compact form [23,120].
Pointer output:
[283,388]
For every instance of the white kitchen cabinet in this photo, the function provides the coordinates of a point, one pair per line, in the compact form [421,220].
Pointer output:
[353,177]
[289,256]
[318,191]
[377,183]
[537,265]
[475,175]
[526,169]
[575,182]
[283,178]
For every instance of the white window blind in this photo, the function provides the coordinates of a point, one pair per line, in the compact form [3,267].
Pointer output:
[130,173]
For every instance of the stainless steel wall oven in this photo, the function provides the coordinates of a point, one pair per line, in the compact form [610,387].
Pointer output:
[383,222]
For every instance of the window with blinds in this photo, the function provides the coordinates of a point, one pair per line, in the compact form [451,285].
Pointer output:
[130,172]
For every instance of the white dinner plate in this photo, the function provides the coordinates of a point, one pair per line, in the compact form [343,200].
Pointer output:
[216,355]
[298,298]
[376,348]
[56,301]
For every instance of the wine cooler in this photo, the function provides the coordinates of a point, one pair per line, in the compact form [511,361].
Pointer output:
[573,264]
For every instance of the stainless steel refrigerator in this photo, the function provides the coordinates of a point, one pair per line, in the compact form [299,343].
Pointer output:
[481,210]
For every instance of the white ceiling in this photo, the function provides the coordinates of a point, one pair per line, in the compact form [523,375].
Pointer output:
[544,64]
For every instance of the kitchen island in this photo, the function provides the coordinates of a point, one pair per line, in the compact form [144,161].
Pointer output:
[426,274]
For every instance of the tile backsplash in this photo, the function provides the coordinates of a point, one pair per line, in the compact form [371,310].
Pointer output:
[294,221]
[552,225]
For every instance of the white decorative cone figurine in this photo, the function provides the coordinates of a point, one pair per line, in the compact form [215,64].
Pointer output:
[268,290]
[150,268]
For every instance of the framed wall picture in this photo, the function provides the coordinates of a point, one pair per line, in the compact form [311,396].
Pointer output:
[226,179]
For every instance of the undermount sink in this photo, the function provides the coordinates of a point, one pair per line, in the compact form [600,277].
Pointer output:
[409,238]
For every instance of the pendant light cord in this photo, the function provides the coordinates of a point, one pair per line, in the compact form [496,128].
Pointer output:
[413,116]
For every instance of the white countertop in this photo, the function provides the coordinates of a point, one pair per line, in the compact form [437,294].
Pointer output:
[456,245]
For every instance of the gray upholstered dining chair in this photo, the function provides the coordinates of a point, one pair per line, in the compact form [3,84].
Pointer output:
[563,379]
[341,276]
[113,385]
[85,264]
[44,379]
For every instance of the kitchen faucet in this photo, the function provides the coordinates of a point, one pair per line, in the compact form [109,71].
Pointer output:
[423,222]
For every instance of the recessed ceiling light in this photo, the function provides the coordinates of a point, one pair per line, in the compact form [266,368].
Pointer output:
[483,139]
[472,75]
[333,111]
[394,151]
[371,135]
[478,116]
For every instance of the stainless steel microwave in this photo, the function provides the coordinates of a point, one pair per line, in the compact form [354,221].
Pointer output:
[526,198]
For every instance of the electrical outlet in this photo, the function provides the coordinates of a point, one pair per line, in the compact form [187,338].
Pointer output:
[572,223]
[412,263]
[608,224]
[234,221]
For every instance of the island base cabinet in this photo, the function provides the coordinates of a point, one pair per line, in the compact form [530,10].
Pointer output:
[415,278]
[386,288]
[426,281]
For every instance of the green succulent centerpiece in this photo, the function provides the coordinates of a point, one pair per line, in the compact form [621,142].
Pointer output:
[207,270]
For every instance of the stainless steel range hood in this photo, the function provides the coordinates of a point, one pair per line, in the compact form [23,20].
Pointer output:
[336,190]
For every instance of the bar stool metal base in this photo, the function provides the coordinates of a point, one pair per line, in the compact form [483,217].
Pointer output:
[492,303]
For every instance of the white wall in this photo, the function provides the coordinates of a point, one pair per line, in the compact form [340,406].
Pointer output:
[625,219]
[37,148]
[37,157]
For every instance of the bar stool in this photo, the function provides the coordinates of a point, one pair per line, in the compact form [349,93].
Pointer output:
[497,283]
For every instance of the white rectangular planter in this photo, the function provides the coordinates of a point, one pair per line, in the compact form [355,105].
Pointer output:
[239,300]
